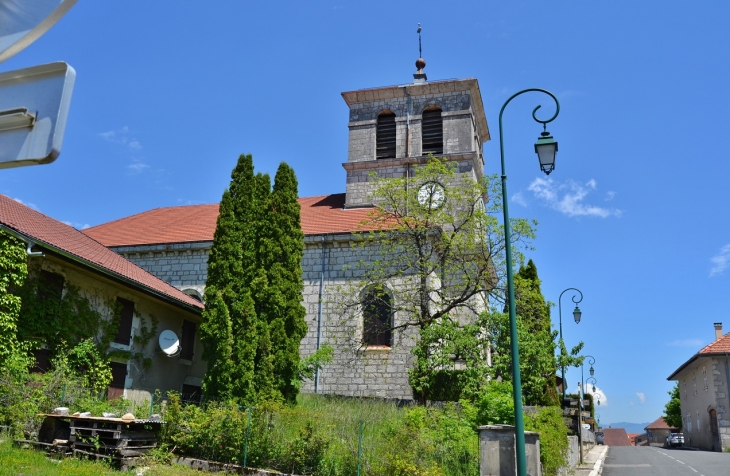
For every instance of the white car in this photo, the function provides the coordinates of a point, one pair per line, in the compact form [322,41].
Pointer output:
[675,439]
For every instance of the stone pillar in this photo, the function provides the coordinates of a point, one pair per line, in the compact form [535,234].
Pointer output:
[497,451]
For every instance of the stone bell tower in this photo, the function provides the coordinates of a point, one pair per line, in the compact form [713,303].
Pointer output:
[395,128]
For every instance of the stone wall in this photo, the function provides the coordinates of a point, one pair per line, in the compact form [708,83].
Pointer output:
[721,384]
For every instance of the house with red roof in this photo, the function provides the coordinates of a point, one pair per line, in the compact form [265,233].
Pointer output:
[658,431]
[62,257]
[392,131]
[704,390]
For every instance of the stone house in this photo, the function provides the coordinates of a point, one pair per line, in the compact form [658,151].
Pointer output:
[392,130]
[704,385]
[658,431]
[62,256]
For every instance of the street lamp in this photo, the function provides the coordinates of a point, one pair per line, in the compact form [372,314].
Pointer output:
[545,148]
[576,316]
[591,361]
[588,380]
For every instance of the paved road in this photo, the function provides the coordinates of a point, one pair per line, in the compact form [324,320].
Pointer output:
[650,461]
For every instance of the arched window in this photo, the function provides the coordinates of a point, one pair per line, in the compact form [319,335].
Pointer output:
[377,308]
[432,131]
[385,136]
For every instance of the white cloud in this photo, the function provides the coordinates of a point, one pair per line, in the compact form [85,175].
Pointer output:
[720,261]
[598,395]
[569,198]
[30,205]
[122,137]
[137,167]
[78,226]
[686,343]
[609,196]
[641,397]
[519,199]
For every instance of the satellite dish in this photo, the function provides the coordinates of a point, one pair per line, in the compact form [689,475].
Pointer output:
[169,343]
[24,21]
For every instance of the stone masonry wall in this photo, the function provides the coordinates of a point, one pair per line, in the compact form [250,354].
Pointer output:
[720,383]
[381,372]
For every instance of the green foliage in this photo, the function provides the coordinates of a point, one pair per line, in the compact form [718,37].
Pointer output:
[309,365]
[493,406]
[254,321]
[673,408]
[538,364]
[548,421]
[13,271]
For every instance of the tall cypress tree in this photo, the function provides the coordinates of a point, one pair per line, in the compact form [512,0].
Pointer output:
[254,320]
[228,331]
[538,363]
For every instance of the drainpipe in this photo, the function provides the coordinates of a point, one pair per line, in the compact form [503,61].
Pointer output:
[408,140]
[29,251]
[319,313]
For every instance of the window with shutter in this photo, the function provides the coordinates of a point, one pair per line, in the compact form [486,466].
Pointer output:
[385,136]
[124,332]
[377,311]
[432,132]
[187,342]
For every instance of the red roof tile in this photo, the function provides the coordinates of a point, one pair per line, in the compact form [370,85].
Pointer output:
[659,424]
[720,346]
[320,215]
[45,230]
[615,437]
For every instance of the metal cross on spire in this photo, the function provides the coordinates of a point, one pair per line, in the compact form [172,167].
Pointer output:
[420,53]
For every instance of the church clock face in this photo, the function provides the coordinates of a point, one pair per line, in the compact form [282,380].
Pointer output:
[431,195]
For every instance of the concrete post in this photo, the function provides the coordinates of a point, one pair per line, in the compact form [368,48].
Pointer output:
[497,451]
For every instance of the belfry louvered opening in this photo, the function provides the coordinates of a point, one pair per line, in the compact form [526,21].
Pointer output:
[432,132]
[385,137]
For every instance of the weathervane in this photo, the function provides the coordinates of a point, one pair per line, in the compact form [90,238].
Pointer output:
[419,77]
[420,54]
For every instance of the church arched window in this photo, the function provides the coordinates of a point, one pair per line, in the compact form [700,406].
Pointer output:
[432,131]
[377,310]
[385,136]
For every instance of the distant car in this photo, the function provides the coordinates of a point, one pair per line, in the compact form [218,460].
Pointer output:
[675,439]
[586,426]
[599,437]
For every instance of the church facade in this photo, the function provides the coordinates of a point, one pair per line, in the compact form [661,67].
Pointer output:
[392,130]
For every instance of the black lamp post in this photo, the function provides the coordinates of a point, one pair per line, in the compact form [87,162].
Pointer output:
[576,316]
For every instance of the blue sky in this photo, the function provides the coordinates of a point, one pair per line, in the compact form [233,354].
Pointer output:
[169,93]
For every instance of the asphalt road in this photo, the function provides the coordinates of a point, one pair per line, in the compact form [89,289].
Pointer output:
[649,461]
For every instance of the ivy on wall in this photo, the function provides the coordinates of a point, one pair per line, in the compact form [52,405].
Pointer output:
[13,271]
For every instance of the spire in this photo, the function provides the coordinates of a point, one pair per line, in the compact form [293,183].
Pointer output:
[419,77]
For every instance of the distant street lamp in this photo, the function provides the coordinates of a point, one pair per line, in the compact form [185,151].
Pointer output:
[588,380]
[546,147]
[591,361]
[576,316]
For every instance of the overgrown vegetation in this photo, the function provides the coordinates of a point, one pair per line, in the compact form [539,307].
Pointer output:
[673,408]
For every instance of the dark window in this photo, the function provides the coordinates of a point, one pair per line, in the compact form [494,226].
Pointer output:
[119,375]
[432,132]
[188,340]
[50,286]
[124,333]
[42,363]
[191,394]
[376,310]
[385,136]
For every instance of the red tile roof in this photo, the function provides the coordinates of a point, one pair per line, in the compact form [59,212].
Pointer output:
[720,346]
[615,437]
[67,240]
[632,437]
[320,215]
[659,424]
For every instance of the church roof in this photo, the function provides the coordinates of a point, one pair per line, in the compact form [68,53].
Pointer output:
[56,237]
[320,215]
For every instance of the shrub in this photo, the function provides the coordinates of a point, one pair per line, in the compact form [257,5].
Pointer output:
[548,421]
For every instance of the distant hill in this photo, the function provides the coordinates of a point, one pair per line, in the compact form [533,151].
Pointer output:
[629,427]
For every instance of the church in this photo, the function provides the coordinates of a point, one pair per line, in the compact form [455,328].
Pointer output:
[392,130]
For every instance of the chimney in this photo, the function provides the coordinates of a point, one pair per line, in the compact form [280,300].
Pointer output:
[718,330]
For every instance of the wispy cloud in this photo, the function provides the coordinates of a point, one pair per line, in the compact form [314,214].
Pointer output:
[137,167]
[519,199]
[720,261]
[569,198]
[122,137]
[78,226]
[30,205]
[641,396]
[686,343]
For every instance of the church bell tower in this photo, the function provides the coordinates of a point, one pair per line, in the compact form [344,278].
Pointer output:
[395,128]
